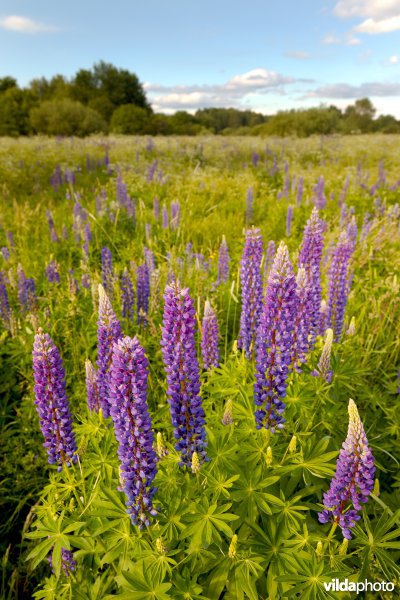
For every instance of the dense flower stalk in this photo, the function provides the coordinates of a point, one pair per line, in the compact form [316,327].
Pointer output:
[142,294]
[132,424]
[319,194]
[127,296]
[182,369]
[149,259]
[175,214]
[339,287]
[68,563]
[324,365]
[164,217]
[4,301]
[302,325]
[107,275]
[108,332]
[53,233]
[52,403]
[92,388]
[354,478]
[274,342]
[209,338]
[289,220]
[5,252]
[223,262]
[251,281]
[52,272]
[310,259]
[156,208]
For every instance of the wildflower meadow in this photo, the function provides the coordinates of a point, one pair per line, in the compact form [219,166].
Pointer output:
[200,368]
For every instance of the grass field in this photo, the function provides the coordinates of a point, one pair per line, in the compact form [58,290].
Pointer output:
[243,523]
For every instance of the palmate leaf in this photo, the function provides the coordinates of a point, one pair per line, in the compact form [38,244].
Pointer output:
[249,492]
[207,523]
[141,584]
[313,460]
[185,587]
[170,519]
[375,541]
[308,578]
[222,450]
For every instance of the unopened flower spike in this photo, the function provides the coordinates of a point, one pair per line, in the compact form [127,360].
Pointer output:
[323,369]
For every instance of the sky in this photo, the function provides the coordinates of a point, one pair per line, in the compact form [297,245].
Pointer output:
[262,55]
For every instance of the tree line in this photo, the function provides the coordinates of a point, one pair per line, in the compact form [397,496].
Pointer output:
[106,99]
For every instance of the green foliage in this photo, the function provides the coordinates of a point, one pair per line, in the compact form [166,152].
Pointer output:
[66,117]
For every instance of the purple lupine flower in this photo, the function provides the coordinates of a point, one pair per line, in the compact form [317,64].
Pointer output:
[108,332]
[344,191]
[53,233]
[164,217]
[300,189]
[366,226]
[156,208]
[182,369]
[10,239]
[209,338]
[149,259]
[249,205]
[324,365]
[269,256]
[85,281]
[289,219]
[52,272]
[130,206]
[274,343]
[251,281]
[255,157]
[56,179]
[352,231]
[121,191]
[4,301]
[223,262]
[175,214]
[87,236]
[127,296]
[319,197]
[354,478]
[142,294]
[310,259]
[68,563]
[107,274]
[132,425]
[151,171]
[69,176]
[52,403]
[338,274]
[5,253]
[302,320]
[26,292]
[92,388]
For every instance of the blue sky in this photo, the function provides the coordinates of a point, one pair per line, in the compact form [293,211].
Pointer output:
[260,54]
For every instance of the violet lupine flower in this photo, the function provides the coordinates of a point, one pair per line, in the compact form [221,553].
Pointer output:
[310,259]
[127,296]
[209,338]
[156,208]
[92,388]
[249,205]
[352,231]
[149,259]
[164,217]
[56,179]
[87,236]
[85,281]
[108,332]
[300,189]
[142,293]
[69,176]
[53,233]
[301,328]
[26,292]
[319,197]
[223,262]
[175,214]
[182,369]
[274,343]
[4,301]
[107,275]
[5,253]
[353,481]
[289,219]
[324,365]
[121,191]
[68,563]
[52,272]
[339,287]
[269,256]
[151,171]
[366,226]
[52,403]
[251,281]
[132,425]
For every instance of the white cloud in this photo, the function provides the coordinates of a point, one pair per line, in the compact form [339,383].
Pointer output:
[381,26]
[235,92]
[380,16]
[347,91]
[24,25]
[330,40]
[394,60]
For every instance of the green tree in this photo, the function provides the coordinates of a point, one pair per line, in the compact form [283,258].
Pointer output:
[15,105]
[130,119]
[66,117]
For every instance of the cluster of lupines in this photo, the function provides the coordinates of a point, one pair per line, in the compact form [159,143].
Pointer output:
[26,291]
[52,272]
[107,274]
[339,287]
[92,388]
[182,369]
[302,320]
[127,296]
[223,262]
[310,259]
[354,478]
[108,332]
[251,281]
[52,403]
[209,338]
[142,293]
[132,425]
[274,343]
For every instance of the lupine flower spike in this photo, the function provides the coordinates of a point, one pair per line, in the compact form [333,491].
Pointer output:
[339,285]
[92,388]
[324,366]
[274,343]
[223,262]
[182,369]
[52,403]
[209,338]
[108,332]
[302,320]
[132,424]
[251,281]
[353,480]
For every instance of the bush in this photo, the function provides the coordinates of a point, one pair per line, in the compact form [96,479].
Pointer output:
[66,117]
[129,119]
